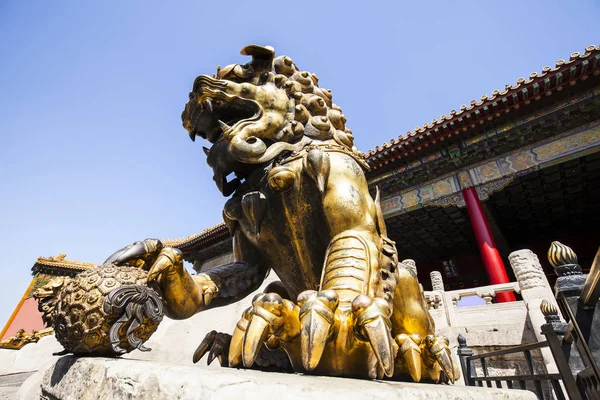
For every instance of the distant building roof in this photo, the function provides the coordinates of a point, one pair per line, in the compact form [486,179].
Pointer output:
[60,266]
[578,67]
[203,240]
[191,241]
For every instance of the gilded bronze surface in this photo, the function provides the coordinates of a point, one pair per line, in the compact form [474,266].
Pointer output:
[299,204]
[47,297]
[105,310]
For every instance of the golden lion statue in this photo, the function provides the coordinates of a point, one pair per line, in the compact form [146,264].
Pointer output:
[299,205]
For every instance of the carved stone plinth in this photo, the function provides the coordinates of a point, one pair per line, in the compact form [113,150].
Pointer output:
[437,282]
[101,378]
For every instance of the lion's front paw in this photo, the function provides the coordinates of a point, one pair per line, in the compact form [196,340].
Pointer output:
[272,321]
[438,350]
[373,324]
[318,334]
[168,262]
[427,358]
[322,335]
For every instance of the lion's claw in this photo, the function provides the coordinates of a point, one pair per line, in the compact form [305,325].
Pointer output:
[307,336]
[271,319]
[410,351]
[438,347]
[373,323]
[237,339]
[217,346]
[265,319]
[316,320]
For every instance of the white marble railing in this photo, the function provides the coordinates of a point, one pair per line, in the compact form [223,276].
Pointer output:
[497,324]
[436,298]
[446,311]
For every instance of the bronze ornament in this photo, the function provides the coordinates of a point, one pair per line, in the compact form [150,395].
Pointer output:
[299,204]
[106,310]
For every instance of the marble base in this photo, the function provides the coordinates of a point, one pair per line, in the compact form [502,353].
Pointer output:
[102,378]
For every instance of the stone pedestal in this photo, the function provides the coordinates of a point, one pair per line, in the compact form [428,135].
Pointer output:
[101,378]
[534,288]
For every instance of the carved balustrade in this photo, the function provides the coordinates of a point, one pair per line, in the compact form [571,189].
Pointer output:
[446,311]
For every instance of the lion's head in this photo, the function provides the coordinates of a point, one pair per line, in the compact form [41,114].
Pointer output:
[257,111]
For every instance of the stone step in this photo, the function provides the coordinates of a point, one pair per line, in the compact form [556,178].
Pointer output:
[10,383]
[103,378]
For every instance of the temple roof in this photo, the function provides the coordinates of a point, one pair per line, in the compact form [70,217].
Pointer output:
[203,240]
[578,67]
[206,235]
[60,266]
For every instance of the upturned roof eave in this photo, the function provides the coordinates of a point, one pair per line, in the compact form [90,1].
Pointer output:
[579,67]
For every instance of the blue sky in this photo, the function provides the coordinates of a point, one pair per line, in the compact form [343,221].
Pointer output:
[93,155]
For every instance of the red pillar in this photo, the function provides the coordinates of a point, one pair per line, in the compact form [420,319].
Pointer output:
[487,247]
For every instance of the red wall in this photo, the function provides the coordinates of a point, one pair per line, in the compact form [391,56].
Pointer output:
[27,317]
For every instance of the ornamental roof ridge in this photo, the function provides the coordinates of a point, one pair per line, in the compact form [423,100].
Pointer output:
[510,91]
[182,243]
[60,262]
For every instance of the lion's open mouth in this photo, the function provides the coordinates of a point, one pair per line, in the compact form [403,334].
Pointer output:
[216,113]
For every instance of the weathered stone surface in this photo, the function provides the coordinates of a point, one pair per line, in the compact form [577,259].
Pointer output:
[527,269]
[9,384]
[410,265]
[102,378]
[30,358]
[30,389]
[437,282]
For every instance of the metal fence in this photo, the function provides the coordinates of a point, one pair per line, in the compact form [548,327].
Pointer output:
[574,342]
[539,382]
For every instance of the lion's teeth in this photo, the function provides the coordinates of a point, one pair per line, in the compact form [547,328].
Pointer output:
[206,150]
[224,126]
[208,105]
